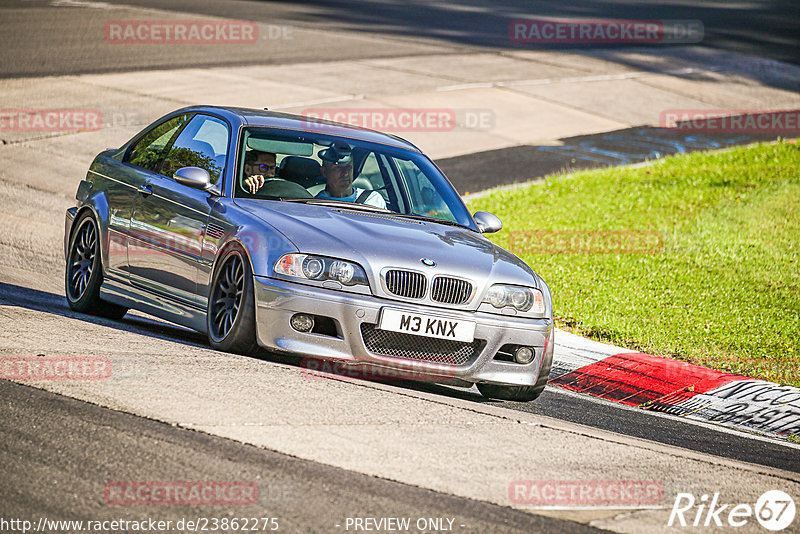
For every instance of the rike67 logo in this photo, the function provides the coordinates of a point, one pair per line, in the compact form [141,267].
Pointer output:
[774,510]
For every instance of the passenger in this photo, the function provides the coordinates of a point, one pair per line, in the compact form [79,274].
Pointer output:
[337,168]
[258,167]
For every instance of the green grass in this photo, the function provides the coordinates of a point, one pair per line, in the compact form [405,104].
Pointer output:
[717,281]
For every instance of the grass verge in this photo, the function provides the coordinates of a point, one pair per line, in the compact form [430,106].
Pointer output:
[694,257]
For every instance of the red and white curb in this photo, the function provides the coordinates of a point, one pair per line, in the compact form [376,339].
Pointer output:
[678,388]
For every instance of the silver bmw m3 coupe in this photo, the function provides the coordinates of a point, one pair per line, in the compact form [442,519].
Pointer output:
[307,237]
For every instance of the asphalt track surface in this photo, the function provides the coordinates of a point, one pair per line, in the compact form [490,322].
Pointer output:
[554,402]
[34,42]
[59,453]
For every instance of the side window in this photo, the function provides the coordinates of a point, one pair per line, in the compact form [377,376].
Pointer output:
[371,177]
[203,143]
[423,195]
[147,152]
[371,172]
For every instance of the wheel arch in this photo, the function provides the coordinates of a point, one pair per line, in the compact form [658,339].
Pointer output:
[232,242]
[80,210]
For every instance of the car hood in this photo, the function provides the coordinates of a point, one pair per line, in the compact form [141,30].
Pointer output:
[377,241]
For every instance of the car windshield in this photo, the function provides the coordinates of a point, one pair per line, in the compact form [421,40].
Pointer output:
[320,169]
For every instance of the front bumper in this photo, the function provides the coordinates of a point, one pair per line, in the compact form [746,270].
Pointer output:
[277,301]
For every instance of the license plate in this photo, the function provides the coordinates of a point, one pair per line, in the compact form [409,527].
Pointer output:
[427,325]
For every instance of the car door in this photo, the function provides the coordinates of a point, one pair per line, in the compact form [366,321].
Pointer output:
[169,219]
[123,182]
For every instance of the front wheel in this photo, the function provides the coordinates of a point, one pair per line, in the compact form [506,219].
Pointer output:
[231,306]
[84,273]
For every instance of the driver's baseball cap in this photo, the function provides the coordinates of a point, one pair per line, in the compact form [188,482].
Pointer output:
[339,153]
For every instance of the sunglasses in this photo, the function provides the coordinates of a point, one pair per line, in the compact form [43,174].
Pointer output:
[263,167]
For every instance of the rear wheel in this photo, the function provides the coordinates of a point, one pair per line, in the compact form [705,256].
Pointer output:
[231,305]
[84,273]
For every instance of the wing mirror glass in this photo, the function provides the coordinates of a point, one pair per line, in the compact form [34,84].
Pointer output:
[488,223]
[193,177]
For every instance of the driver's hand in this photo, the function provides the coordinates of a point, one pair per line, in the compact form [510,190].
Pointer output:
[254,183]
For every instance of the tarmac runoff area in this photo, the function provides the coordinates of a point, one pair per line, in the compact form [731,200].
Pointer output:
[425,440]
[537,106]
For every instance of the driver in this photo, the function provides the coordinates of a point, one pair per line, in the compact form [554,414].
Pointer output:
[337,168]
[258,167]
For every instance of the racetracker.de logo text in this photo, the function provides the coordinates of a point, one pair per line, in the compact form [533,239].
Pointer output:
[732,121]
[55,368]
[586,493]
[180,32]
[597,31]
[50,120]
[172,493]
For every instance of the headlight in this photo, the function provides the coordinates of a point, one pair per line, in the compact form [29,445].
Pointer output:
[310,267]
[518,297]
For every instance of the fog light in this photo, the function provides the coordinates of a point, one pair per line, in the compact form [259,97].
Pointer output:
[524,355]
[302,322]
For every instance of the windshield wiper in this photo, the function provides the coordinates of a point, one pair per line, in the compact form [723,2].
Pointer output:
[432,219]
[369,207]
[338,204]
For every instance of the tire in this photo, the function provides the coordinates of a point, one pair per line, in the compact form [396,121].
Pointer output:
[523,393]
[230,316]
[83,275]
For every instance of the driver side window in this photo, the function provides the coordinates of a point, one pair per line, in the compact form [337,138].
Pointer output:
[148,151]
[203,143]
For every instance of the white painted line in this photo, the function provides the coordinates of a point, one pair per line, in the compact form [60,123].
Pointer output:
[86,3]
[584,508]
[579,79]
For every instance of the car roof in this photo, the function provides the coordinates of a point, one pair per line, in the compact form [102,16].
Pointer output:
[287,121]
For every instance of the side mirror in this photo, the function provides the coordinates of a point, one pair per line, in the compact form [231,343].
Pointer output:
[193,177]
[487,223]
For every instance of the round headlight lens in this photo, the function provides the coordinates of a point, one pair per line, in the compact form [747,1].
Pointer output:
[521,298]
[496,296]
[312,267]
[342,271]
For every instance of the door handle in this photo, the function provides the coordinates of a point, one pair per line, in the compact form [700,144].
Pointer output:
[145,190]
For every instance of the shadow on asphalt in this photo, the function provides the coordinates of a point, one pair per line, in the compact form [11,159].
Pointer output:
[43,301]
[520,164]
[760,27]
